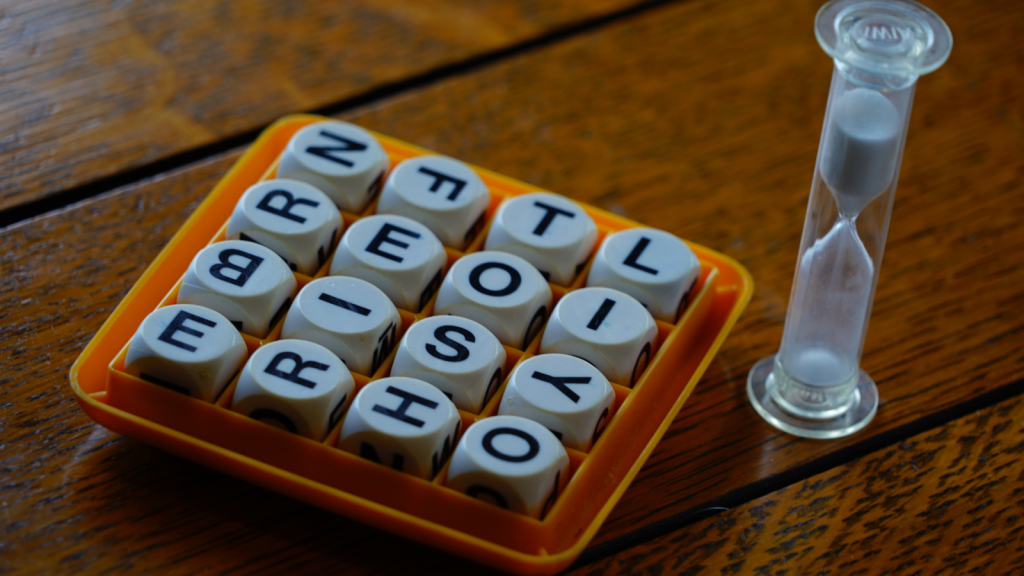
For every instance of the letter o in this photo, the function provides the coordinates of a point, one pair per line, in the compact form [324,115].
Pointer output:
[514,279]
[531,452]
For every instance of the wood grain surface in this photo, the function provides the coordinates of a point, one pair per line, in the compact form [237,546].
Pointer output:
[722,152]
[947,501]
[701,118]
[94,87]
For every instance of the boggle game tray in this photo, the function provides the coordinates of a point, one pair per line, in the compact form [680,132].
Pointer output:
[421,345]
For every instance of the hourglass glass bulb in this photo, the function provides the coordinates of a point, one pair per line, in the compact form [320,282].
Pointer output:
[861,149]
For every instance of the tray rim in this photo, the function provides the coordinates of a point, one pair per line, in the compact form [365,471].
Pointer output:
[344,503]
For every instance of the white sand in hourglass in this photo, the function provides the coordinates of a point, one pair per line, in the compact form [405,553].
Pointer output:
[833,290]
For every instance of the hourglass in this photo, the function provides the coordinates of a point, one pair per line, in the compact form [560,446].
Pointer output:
[813,386]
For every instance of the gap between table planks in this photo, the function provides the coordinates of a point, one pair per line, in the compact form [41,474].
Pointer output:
[94,89]
[727,166]
[948,500]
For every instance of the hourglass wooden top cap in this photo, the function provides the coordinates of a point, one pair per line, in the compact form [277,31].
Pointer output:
[898,38]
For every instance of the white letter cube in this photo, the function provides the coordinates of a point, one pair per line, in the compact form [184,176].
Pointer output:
[457,355]
[501,291]
[403,423]
[294,385]
[442,193]
[340,159]
[187,349]
[394,253]
[549,231]
[249,284]
[350,317]
[295,220]
[510,462]
[655,267]
[605,327]
[563,393]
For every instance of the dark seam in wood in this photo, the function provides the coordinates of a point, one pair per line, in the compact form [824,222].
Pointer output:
[88,190]
[795,475]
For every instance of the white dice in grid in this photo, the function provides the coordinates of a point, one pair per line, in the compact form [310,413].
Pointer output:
[511,462]
[457,355]
[442,193]
[342,160]
[394,253]
[501,291]
[249,284]
[295,220]
[605,327]
[550,231]
[294,385]
[655,267]
[350,317]
[403,423]
[563,393]
[188,349]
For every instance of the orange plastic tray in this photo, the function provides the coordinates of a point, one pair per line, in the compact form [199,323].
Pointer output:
[322,475]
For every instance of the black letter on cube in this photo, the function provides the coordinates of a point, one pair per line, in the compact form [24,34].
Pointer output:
[514,279]
[382,237]
[638,367]
[559,382]
[553,496]
[536,323]
[601,314]
[634,255]
[370,453]
[407,401]
[345,304]
[285,211]
[243,273]
[490,494]
[461,352]
[178,325]
[269,414]
[440,178]
[347,146]
[293,376]
[549,216]
[384,343]
[597,427]
[438,459]
[533,450]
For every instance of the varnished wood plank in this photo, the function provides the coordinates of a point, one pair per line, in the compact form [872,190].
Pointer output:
[726,165]
[721,150]
[947,501]
[91,88]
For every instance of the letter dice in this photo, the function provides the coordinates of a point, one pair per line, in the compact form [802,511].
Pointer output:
[403,423]
[501,291]
[348,316]
[188,349]
[605,327]
[549,231]
[457,355]
[294,385]
[655,267]
[295,220]
[510,462]
[396,254]
[340,159]
[249,284]
[565,394]
[444,194]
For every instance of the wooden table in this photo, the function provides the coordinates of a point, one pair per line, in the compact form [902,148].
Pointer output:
[694,116]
